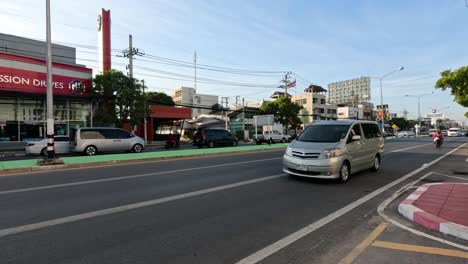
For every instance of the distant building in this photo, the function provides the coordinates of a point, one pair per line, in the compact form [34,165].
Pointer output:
[315,106]
[393,115]
[200,103]
[349,90]
[277,95]
[361,111]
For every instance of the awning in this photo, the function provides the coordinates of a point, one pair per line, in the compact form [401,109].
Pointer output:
[170,112]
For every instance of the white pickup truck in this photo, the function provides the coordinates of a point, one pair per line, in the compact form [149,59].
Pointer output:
[271,137]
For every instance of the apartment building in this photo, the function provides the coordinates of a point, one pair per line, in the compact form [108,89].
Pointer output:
[200,103]
[315,105]
[345,91]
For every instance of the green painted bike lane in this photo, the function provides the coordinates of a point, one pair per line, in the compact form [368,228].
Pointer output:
[16,164]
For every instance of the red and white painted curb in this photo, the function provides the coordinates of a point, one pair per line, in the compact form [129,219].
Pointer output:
[420,217]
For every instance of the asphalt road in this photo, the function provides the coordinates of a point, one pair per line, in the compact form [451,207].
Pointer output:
[201,210]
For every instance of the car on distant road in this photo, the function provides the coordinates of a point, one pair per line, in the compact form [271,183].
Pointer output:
[91,140]
[271,137]
[335,150]
[454,132]
[61,144]
[445,133]
[214,137]
[403,134]
[432,132]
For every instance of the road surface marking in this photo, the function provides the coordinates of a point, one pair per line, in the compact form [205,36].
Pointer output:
[450,176]
[421,249]
[130,176]
[142,175]
[363,245]
[286,241]
[403,149]
[118,209]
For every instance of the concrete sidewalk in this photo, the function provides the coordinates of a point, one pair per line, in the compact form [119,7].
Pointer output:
[439,206]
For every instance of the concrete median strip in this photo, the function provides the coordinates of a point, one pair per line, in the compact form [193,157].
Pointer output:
[24,166]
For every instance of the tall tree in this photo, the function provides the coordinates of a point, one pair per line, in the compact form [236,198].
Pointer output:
[457,81]
[285,111]
[159,98]
[122,97]
[217,109]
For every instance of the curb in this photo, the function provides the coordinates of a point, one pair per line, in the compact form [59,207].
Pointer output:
[6,172]
[430,221]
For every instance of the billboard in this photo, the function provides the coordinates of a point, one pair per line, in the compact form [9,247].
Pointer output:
[385,111]
[26,81]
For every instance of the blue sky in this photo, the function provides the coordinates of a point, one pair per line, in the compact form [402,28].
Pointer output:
[322,41]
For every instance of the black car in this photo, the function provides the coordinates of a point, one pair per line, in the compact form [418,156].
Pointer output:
[213,137]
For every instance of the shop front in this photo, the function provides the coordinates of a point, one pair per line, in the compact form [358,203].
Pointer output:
[23,98]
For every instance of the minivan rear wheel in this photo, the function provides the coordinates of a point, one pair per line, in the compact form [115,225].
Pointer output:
[90,151]
[137,148]
[344,172]
[376,165]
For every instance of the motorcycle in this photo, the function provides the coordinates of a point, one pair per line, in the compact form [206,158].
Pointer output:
[437,142]
[171,143]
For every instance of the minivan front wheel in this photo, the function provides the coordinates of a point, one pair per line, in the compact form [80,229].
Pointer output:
[344,172]
[90,150]
[137,148]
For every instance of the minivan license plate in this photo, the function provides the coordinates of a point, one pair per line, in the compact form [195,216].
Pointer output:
[302,167]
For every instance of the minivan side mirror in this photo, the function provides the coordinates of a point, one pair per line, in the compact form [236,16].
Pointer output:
[356,137]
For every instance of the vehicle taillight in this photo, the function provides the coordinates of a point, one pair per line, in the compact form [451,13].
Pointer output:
[204,137]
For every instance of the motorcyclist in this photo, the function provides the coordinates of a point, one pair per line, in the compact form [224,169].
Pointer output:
[438,134]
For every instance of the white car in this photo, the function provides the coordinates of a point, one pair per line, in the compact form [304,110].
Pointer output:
[454,132]
[62,146]
[402,134]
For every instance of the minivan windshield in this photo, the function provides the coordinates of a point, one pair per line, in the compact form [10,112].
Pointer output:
[324,133]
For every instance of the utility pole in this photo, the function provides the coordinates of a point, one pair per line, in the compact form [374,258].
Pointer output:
[145,132]
[224,100]
[195,69]
[50,100]
[243,118]
[130,56]
[285,82]
[237,97]
[130,53]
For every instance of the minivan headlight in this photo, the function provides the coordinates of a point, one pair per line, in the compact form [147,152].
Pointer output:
[330,153]
[288,151]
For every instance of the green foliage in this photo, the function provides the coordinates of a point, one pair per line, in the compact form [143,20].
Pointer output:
[159,99]
[122,98]
[285,111]
[240,135]
[403,124]
[217,109]
[457,81]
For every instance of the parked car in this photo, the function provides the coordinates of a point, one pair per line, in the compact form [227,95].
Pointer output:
[403,134]
[271,137]
[335,150]
[432,132]
[61,144]
[454,132]
[214,137]
[445,133]
[90,141]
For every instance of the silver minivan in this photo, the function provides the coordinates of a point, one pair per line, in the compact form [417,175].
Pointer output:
[92,140]
[335,150]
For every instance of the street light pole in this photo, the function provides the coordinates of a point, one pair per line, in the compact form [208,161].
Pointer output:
[419,108]
[381,94]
